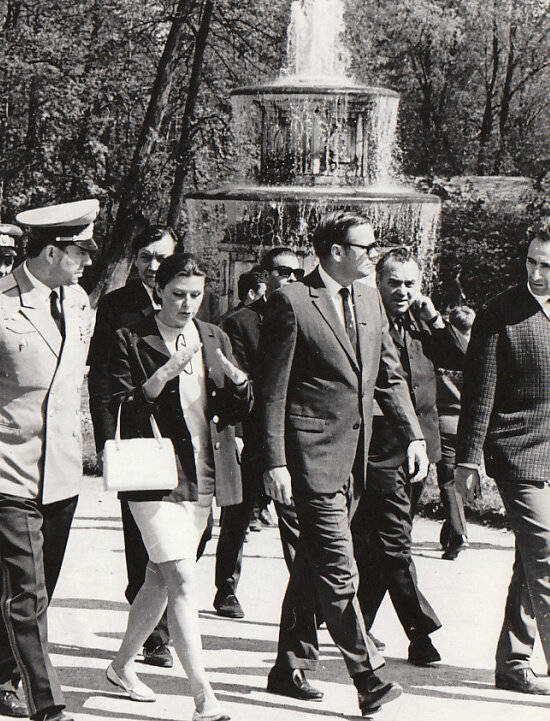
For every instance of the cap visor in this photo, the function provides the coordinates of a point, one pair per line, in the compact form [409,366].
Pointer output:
[88,245]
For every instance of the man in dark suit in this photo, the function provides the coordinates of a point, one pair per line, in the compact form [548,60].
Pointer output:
[122,308]
[279,266]
[324,346]
[382,526]
[505,417]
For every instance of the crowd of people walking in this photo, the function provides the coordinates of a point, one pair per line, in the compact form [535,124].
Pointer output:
[326,394]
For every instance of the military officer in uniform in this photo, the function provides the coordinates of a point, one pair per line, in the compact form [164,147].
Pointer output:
[45,323]
[9,235]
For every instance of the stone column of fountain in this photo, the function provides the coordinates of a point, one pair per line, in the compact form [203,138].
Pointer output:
[311,141]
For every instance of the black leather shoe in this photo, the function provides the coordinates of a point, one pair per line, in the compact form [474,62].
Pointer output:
[380,645]
[445,534]
[524,680]
[292,682]
[158,656]
[454,547]
[51,715]
[11,704]
[228,606]
[376,694]
[422,652]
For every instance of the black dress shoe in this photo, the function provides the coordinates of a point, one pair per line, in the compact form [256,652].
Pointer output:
[524,680]
[380,645]
[292,682]
[51,715]
[445,534]
[454,547]
[11,704]
[375,693]
[158,656]
[228,606]
[422,652]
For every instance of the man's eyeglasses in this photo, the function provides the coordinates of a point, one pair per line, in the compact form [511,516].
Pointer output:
[373,251]
[285,271]
[180,343]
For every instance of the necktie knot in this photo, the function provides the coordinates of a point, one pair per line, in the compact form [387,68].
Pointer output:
[344,292]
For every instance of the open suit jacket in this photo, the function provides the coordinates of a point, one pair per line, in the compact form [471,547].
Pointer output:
[40,390]
[136,354]
[121,308]
[316,395]
[421,351]
[506,395]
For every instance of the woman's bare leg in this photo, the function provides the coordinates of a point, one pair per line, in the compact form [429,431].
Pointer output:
[183,622]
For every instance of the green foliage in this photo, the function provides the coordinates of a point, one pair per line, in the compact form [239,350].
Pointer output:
[486,246]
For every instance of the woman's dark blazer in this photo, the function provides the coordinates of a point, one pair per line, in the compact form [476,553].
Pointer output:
[138,351]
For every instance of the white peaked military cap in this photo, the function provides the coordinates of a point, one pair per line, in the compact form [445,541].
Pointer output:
[64,223]
[9,234]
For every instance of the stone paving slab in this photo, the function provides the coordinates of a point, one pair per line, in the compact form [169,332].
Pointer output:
[88,617]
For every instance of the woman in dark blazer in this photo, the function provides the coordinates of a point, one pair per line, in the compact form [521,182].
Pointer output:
[180,371]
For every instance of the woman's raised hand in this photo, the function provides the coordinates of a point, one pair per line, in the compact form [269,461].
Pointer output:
[230,369]
[178,360]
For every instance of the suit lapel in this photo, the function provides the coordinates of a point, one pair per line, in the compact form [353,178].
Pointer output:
[37,312]
[361,305]
[321,300]
[150,335]
[209,347]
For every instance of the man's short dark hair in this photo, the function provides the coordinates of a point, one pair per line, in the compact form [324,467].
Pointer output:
[268,259]
[151,234]
[400,255]
[333,228]
[540,230]
[36,243]
[250,281]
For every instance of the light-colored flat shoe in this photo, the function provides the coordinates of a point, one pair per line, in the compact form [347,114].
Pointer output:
[216,716]
[139,692]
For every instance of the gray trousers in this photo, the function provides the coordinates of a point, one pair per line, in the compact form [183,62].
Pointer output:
[528,602]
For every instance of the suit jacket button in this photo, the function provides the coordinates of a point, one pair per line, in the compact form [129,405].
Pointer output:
[216,419]
[356,426]
[217,445]
[213,394]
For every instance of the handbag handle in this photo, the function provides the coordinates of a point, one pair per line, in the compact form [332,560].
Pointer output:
[154,426]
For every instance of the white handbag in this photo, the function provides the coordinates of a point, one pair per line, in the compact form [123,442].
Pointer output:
[139,464]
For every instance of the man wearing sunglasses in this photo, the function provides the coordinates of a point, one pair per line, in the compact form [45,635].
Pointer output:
[325,352]
[280,267]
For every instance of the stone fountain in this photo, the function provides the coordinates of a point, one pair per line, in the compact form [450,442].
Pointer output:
[311,141]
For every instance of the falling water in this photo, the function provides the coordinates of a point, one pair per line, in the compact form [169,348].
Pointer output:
[315,47]
[310,141]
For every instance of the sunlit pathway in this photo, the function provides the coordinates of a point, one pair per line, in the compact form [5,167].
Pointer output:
[89,614]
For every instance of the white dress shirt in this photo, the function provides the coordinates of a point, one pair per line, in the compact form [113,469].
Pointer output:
[543,301]
[334,288]
[149,292]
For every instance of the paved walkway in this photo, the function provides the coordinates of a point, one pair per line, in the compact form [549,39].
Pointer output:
[88,616]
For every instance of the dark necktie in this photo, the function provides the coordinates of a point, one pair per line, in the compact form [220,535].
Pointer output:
[348,318]
[57,313]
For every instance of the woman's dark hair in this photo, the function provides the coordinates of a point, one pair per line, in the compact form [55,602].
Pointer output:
[151,234]
[185,264]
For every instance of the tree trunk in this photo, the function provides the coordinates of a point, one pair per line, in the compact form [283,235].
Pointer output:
[115,262]
[486,130]
[184,147]
[506,97]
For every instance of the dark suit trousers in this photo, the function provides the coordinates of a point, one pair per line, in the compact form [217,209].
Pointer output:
[234,523]
[324,569]
[381,532]
[33,539]
[528,603]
